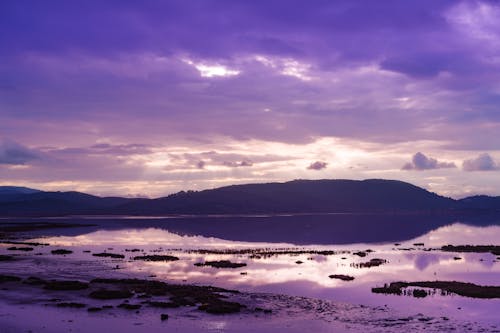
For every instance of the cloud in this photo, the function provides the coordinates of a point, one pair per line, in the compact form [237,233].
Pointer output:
[15,154]
[201,164]
[232,164]
[318,165]
[422,162]
[483,162]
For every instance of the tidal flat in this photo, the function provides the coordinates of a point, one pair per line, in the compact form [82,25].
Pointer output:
[149,277]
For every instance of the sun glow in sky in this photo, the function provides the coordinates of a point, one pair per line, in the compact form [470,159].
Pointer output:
[147,99]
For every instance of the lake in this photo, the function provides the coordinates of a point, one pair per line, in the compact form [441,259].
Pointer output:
[283,255]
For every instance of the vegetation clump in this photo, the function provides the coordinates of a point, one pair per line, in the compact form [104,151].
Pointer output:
[109,255]
[61,251]
[34,281]
[419,293]
[372,263]
[25,249]
[94,309]
[65,285]
[205,298]
[71,305]
[128,306]
[110,294]
[341,277]
[163,305]
[221,264]
[133,250]
[156,257]
[452,287]
[494,249]
[9,278]
[221,307]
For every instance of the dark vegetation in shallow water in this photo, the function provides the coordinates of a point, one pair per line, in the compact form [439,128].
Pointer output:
[24,243]
[221,264]
[156,257]
[360,254]
[94,309]
[61,251]
[162,305]
[25,249]
[218,306]
[9,278]
[258,253]
[453,287]
[34,281]
[71,305]
[209,298]
[65,285]
[206,298]
[341,277]
[6,258]
[109,255]
[110,294]
[494,249]
[372,263]
[128,306]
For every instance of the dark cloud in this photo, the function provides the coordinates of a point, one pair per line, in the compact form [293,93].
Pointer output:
[200,165]
[483,162]
[422,162]
[318,165]
[16,154]
[130,59]
[105,149]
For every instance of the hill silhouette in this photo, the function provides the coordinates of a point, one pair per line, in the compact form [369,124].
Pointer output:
[298,196]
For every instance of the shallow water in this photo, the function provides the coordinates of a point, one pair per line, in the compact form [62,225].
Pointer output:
[304,275]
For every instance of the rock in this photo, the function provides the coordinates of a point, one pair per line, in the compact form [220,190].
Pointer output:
[163,316]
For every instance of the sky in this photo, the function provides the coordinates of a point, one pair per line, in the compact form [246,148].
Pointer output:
[147,98]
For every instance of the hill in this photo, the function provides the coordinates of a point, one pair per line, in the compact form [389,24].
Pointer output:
[298,196]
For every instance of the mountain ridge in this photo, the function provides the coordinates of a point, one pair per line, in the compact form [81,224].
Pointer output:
[296,196]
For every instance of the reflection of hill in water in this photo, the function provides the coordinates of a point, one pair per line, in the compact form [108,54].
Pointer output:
[298,229]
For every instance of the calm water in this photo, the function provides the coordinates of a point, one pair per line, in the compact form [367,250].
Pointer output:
[281,273]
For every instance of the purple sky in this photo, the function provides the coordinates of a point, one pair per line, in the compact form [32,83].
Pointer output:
[151,97]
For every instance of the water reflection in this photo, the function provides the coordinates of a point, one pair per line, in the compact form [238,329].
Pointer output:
[407,264]
[305,272]
[296,229]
